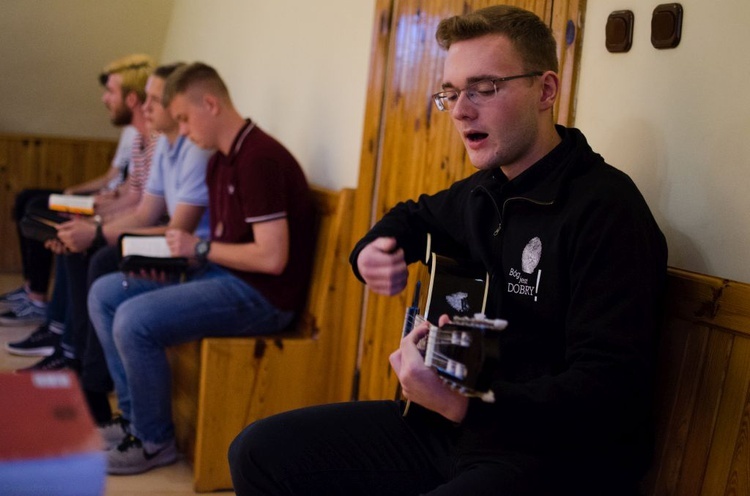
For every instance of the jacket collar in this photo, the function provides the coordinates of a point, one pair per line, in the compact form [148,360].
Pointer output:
[543,181]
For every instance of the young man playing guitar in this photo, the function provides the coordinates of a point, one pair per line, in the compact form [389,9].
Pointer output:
[577,265]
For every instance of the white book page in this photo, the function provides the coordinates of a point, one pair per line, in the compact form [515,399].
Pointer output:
[147,246]
[72,203]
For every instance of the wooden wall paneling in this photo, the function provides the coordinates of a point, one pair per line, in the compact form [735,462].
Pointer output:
[417,151]
[43,162]
[730,435]
[8,238]
[704,410]
[678,387]
[19,164]
[702,405]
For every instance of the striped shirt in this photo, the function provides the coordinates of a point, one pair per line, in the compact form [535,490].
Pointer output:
[140,165]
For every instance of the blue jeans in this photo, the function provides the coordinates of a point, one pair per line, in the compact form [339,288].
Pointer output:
[137,318]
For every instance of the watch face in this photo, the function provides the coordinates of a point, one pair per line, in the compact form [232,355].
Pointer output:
[201,248]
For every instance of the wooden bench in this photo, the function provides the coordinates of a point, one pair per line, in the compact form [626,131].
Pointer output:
[703,391]
[220,385]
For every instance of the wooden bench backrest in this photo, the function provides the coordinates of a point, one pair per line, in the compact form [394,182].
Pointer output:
[332,212]
[222,384]
[703,391]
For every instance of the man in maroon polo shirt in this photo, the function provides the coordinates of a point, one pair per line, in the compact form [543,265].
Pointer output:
[248,278]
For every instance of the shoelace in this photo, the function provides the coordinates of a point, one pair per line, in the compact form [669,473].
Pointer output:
[116,421]
[16,294]
[28,309]
[130,441]
[40,334]
[52,362]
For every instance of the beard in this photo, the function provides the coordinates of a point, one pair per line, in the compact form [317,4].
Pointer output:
[122,116]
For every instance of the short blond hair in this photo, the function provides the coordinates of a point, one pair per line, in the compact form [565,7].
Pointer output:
[134,69]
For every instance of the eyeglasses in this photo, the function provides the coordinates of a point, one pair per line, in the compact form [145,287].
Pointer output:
[478,93]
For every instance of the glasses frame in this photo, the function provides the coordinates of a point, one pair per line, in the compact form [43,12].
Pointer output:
[439,97]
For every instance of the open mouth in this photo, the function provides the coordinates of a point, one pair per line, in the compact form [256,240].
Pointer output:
[474,137]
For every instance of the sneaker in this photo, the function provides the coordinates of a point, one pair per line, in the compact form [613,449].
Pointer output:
[11,299]
[130,457]
[55,361]
[114,432]
[42,342]
[24,313]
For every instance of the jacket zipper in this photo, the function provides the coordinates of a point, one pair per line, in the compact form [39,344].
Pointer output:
[517,198]
[501,212]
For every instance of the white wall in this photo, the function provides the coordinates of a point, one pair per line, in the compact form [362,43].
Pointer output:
[52,51]
[297,67]
[678,121]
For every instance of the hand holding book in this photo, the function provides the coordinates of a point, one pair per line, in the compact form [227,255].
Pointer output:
[181,243]
[150,256]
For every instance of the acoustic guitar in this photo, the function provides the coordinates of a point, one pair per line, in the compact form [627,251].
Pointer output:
[464,352]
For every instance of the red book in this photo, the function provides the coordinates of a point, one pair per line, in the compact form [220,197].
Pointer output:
[43,415]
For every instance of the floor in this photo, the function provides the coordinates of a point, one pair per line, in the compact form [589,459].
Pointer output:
[167,481]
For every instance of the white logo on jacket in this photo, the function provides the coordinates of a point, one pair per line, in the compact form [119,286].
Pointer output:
[532,254]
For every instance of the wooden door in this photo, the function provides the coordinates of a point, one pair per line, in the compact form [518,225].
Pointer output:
[410,148]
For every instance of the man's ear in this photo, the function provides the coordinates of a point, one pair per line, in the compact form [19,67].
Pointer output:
[131,100]
[211,103]
[550,88]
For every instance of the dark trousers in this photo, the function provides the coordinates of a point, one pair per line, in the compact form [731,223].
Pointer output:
[36,260]
[369,448]
[81,271]
[95,374]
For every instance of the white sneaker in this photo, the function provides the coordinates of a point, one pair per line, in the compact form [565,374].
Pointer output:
[130,457]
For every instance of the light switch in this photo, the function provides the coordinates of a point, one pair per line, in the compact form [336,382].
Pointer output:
[666,25]
[619,32]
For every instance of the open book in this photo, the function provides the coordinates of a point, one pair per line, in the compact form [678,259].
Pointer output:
[74,204]
[146,252]
[147,246]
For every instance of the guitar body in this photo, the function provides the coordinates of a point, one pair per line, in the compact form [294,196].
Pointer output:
[465,351]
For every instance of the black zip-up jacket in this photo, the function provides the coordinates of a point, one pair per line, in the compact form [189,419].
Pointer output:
[577,266]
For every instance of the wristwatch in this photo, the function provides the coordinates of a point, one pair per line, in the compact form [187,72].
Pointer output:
[99,236]
[201,250]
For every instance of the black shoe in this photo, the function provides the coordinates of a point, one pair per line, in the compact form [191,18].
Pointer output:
[56,361]
[41,342]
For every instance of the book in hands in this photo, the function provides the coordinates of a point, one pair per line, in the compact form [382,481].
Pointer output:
[41,225]
[145,253]
[74,204]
